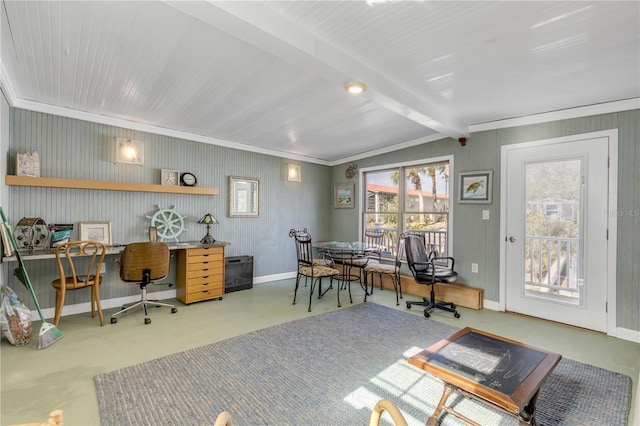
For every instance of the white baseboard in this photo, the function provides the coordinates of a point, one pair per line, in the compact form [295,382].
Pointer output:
[80,308]
[490,304]
[275,277]
[626,334]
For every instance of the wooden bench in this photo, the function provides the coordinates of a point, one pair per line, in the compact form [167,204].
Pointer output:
[460,294]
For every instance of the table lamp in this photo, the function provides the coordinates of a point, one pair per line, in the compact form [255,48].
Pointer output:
[208,220]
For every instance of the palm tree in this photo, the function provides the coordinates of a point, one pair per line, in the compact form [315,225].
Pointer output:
[413,176]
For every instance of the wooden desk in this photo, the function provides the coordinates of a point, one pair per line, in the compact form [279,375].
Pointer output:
[115,249]
[497,371]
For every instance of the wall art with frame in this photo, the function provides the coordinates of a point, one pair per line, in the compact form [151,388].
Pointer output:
[96,231]
[475,187]
[344,195]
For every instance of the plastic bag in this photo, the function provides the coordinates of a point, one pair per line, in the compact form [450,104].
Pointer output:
[15,319]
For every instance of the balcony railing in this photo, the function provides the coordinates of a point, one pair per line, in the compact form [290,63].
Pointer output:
[552,267]
[434,240]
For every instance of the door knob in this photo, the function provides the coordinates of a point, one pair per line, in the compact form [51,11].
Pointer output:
[512,240]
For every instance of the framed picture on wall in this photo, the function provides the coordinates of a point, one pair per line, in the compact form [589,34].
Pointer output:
[244,197]
[344,195]
[96,231]
[475,187]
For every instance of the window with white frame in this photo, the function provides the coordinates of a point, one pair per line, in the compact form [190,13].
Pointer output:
[408,198]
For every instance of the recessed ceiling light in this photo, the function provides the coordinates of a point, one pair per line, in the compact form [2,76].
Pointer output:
[355,87]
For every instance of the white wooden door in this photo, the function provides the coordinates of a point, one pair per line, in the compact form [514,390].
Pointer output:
[556,263]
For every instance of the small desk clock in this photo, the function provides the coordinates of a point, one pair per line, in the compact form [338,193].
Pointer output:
[188,179]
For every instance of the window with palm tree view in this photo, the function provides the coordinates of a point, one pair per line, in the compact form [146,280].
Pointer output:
[412,199]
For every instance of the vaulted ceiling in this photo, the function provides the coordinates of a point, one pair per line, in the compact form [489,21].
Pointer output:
[269,76]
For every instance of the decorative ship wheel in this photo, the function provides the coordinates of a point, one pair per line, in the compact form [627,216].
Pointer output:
[168,222]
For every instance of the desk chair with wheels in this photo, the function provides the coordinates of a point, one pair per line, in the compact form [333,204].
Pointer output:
[144,263]
[69,257]
[427,269]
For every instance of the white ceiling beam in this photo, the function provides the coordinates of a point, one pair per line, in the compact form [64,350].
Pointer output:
[263,28]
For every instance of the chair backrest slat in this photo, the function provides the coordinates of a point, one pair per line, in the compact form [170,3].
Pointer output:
[77,252]
[304,248]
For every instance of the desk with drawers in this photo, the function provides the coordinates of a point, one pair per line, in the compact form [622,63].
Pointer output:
[200,268]
[200,273]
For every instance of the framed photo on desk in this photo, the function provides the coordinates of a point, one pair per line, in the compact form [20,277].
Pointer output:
[96,231]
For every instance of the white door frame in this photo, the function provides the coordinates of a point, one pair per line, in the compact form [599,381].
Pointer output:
[612,218]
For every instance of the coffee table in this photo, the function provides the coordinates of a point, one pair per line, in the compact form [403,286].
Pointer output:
[497,371]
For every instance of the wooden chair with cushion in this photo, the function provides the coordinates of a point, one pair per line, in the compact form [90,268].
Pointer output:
[308,268]
[79,264]
[385,269]
[144,263]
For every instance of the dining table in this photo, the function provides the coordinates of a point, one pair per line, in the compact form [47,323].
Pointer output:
[349,255]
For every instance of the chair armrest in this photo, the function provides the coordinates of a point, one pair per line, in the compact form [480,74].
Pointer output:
[448,259]
[422,266]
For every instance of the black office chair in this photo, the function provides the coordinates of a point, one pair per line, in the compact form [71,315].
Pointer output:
[144,263]
[429,270]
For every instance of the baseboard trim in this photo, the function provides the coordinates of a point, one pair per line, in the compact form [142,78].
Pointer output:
[490,304]
[626,334]
[81,308]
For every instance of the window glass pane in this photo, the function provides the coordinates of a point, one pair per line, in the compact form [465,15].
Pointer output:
[427,188]
[413,199]
[382,191]
[381,206]
[552,248]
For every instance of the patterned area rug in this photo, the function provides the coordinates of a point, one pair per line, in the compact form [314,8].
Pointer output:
[331,369]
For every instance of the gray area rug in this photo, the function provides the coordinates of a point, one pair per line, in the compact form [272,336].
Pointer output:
[331,369]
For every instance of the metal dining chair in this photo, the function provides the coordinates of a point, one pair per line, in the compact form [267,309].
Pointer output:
[390,270]
[308,268]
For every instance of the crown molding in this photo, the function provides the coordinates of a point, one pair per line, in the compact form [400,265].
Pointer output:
[565,114]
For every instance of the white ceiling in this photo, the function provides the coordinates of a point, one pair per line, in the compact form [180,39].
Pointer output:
[269,76]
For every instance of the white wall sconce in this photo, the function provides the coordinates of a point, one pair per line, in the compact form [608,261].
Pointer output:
[129,151]
[293,173]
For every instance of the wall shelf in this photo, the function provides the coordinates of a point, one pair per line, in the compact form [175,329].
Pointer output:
[47,182]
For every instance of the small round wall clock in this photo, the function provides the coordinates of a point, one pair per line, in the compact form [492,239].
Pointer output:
[188,179]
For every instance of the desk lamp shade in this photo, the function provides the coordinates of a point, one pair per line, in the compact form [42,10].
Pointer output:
[208,220]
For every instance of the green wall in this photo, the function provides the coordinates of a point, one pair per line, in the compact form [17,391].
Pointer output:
[79,149]
[475,240]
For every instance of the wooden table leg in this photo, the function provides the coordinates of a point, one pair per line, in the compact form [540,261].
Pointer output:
[433,420]
[528,413]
